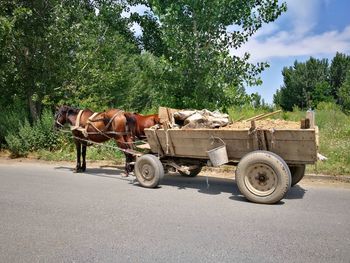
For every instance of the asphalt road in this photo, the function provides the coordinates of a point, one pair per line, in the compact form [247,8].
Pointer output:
[49,214]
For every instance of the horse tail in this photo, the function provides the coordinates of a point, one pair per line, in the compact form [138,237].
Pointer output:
[131,123]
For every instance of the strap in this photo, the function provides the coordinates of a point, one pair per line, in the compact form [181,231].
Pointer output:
[77,121]
[93,116]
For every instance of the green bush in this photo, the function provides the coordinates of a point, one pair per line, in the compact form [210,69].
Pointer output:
[46,137]
[34,137]
[16,145]
[10,121]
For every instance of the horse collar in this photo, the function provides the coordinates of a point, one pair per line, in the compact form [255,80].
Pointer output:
[77,121]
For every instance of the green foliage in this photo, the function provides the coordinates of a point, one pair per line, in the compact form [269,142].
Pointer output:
[10,118]
[339,68]
[334,135]
[344,94]
[238,113]
[195,43]
[30,138]
[307,84]
[94,153]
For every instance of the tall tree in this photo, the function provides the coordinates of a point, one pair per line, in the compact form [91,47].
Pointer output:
[196,43]
[79,51]
[344,93]
[305,85]
[338,70]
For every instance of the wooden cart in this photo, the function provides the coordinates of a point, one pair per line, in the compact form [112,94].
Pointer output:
[269,161]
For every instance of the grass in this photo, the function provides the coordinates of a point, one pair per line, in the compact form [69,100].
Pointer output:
[334,141]
[94,153]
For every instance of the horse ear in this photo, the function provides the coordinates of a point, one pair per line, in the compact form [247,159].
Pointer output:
[57,107]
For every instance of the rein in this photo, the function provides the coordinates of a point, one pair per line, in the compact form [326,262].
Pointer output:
[108,146]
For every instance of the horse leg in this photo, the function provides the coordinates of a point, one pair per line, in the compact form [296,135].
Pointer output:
[128,157]
[83,167]
[78,148]
[129,167]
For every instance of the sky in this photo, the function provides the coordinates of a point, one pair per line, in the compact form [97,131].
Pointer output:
[317,28]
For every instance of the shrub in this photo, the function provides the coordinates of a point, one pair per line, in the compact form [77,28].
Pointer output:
[10,119]
[29,137]
[46,137]
[16,145]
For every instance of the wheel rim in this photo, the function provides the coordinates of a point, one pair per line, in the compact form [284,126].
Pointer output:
[261,180]
[147,172]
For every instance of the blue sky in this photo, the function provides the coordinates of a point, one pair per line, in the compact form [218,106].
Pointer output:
[317,28]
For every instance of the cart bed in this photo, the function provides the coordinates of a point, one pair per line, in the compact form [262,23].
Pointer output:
[295,146]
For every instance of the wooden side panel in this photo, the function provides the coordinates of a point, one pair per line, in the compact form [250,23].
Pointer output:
[294,146]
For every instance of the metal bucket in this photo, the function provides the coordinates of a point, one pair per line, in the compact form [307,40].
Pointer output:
[218,155]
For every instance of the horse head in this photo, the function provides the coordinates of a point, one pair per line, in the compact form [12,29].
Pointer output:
[61,115]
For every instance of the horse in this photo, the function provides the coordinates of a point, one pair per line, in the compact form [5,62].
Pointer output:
[137,123]
[88,126]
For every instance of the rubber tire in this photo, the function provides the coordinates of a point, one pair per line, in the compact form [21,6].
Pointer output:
[271,161]
[154,166]
[297,172]
[193,172]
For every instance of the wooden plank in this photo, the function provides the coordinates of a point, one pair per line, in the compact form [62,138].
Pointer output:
[194,146]
[169,143]
[294,135]
[144,146]
[166,114]
[208,133]
[297,146]
[267,115]
[256,116]
[296,149]
[306,151]
[153,141]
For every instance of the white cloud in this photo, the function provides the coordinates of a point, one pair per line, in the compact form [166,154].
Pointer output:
[303,15]
[285,45]
[297,37]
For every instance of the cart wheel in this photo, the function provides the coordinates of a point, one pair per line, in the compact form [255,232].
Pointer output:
[263,177]
[149,170]
[297,172]
[193,171]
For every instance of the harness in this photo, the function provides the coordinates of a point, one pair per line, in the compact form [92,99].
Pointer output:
[90,122]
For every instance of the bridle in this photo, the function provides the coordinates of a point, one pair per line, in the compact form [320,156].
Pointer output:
[59,114]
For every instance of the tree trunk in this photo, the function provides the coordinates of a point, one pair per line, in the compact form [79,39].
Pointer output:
[33,108]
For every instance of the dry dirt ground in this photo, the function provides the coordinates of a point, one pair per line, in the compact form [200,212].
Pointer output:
[226,172]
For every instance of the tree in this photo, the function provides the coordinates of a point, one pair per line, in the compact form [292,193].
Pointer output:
[344,93]
[196,43]
[65,52]
[338,70]
[305,85]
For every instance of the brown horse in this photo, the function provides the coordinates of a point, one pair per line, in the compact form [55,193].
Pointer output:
[95,127]
[137,123]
